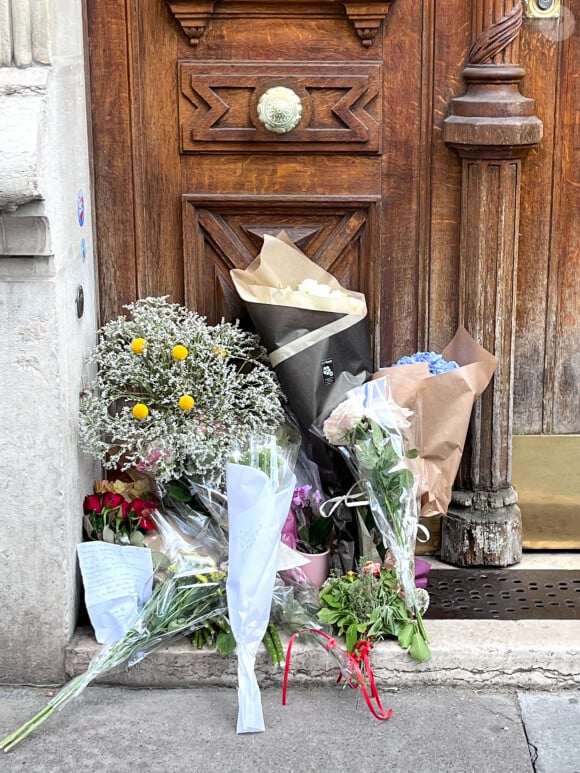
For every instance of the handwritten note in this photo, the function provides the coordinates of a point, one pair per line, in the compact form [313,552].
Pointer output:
[117,581]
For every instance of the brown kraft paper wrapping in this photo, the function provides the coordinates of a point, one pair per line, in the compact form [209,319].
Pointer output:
[441,408]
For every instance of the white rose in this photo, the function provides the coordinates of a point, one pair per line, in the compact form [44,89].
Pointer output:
[344,418]
[312,287]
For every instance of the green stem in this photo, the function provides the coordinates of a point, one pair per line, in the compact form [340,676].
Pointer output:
[420,625]
[27,728]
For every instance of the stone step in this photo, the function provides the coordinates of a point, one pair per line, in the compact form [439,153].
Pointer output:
[530,654]
[526,654]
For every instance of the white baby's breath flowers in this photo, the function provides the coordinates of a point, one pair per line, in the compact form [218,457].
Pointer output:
[173,395]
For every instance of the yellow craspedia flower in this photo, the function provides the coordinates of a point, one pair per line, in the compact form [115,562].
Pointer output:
[219,351]
[179,352]
[186,402]
[140,411]
[138,345]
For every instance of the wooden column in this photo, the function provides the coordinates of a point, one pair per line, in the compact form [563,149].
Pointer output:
[491,126]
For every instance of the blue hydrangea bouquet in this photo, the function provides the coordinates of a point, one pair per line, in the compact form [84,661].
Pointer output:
[440,390]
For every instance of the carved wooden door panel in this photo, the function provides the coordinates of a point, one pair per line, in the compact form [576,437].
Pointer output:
[227,230]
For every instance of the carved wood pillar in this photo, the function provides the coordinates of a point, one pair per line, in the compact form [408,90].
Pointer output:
[491,126]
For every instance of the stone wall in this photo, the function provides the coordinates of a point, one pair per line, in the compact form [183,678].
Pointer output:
[46,256]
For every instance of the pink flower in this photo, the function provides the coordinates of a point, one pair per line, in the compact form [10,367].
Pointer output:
[372,568]
[137,505]
[146,523]
[112,500]
[300,494]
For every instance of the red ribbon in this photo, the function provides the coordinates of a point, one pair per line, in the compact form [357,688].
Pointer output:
[355,676]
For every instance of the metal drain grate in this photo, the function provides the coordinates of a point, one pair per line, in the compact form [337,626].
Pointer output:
[514,594]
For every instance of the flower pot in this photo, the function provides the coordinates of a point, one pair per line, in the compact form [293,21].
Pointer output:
[317,568]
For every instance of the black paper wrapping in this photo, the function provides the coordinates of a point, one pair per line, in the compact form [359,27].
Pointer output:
[317,378]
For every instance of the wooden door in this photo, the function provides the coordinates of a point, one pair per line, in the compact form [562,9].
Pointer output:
[187,177]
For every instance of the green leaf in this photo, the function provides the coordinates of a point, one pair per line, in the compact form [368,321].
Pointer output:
[330,601]
[225,643]
[366,455]
[108,535]
[344,620]
[378,437]
[330,616]
[178,492]
[159,560]
[319,532]
[406,635]
[136,539]
[351,637]
[419,650]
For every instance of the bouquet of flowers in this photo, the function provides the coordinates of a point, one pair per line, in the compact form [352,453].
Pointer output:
[173,395]
[113,513]
[260,483]
[316,334]
[310,531]
[190,593]
[368,429]
[440,391]
[368,605]
[315,330]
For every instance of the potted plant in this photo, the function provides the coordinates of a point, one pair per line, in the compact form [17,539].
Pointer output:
[314,532]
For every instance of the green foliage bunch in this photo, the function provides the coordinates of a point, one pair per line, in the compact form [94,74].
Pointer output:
[370,605]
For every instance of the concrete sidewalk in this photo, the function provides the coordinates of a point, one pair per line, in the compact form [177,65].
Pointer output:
[325,729]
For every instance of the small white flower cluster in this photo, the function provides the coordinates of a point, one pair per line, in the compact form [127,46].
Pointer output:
[311,294]
[173,395]
[312,287]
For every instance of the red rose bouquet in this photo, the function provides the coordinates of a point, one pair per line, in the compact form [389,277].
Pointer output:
[114,514]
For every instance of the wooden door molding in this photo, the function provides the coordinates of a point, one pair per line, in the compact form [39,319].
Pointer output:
[221,232]
[492,127]
[341,106]
[194,16]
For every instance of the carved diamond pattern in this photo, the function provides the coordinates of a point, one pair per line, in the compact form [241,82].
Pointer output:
[221,234]
[301,236]
[340,106]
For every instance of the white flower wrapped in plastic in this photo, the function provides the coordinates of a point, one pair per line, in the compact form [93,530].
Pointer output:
[259,484]
[368,429]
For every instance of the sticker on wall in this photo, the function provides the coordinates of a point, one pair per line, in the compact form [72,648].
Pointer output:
[83,249]
[81,208]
